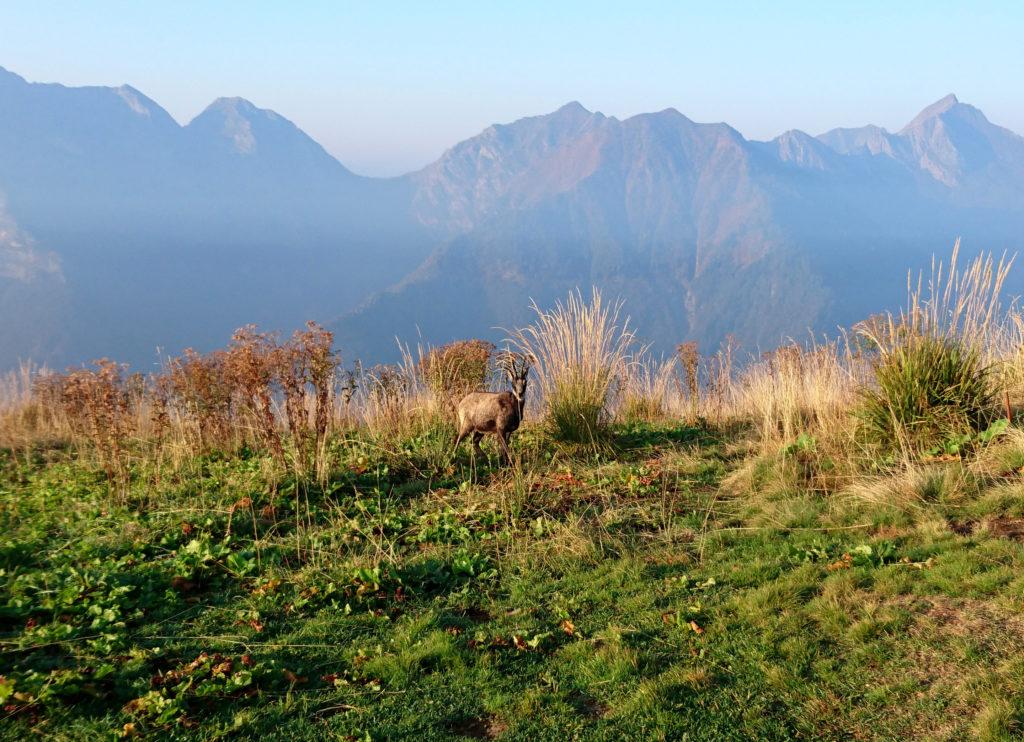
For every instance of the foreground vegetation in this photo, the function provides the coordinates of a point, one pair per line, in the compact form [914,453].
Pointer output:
[826,544]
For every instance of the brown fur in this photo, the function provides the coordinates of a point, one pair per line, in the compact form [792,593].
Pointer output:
[498,413]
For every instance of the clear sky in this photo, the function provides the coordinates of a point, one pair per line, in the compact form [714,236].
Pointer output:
[387,86]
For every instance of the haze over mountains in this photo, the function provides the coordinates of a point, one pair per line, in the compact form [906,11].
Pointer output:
[122,231]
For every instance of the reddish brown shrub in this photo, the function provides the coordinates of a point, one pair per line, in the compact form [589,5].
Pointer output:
[452,371]
[98,405]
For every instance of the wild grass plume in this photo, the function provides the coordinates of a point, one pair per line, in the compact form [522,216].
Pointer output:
[579,349]
[936,360]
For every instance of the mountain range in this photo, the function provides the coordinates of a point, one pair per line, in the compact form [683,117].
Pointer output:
[123,232]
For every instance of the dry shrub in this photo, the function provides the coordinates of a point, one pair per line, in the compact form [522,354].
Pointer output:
[229,396]
[452,371]
[250,368]
[689,362]
[304,368]
[98,404]
[198,389]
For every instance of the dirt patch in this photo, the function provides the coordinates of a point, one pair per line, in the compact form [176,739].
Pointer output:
[999,527]
[973,618]
[894,532]
[481,727]
[476,614]
[961,527]
[588,706]
[1011,528]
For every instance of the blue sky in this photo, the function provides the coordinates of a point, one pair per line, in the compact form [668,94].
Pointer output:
[386,87]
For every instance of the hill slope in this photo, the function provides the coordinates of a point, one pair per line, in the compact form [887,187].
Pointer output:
[173,236]
[701,232]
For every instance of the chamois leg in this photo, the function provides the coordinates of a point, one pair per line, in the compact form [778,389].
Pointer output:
[463,432]
[503,443]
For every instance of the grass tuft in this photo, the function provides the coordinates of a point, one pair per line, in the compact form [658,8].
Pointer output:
[929,390]
[579,350]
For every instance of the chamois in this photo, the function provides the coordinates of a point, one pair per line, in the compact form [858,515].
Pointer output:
[495,412]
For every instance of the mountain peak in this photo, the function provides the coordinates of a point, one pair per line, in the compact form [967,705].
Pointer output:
[239,128]
[236,106]
[235,119]
[574,107]
[794,134]
[869,139]
[937,108]
[232,118]
[671,112]
[800,148]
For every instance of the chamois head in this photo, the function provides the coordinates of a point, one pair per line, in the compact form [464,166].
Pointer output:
[517,367]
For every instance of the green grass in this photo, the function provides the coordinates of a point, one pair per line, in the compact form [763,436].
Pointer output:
[929,389]
[633,592]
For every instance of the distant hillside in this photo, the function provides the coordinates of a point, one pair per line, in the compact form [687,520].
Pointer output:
[122,231]
[170,236]
[700,231]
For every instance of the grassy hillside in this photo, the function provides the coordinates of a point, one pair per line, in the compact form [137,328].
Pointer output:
[717,553]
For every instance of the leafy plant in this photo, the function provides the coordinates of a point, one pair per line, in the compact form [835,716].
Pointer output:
[805,443]
[209,676]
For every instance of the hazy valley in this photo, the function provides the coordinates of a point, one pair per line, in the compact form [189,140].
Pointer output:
[122,232]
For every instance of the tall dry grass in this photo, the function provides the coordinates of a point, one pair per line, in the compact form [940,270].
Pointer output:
[648,390]
[944,361]
[27,417]
[815,388]
[404,399]
[287,397]
[579,350]
[798,388]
